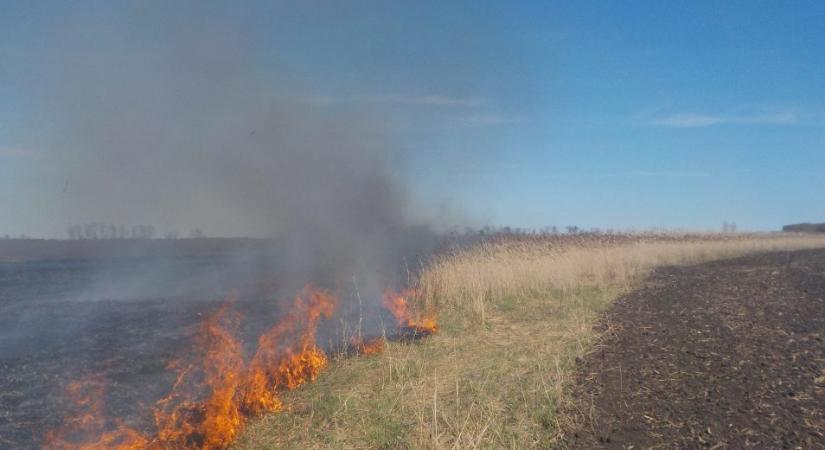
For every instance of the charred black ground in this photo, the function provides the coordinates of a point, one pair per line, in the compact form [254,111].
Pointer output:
[728,354]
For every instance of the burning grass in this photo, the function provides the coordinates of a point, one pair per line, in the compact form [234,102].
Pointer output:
[406,318]
[216,389]
[514,315]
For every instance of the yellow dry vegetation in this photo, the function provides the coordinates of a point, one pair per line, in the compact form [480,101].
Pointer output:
[514,313]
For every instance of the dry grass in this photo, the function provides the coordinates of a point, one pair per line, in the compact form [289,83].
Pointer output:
[515,315]
[471,279]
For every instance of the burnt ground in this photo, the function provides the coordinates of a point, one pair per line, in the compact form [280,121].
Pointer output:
[729,354]
[123,320]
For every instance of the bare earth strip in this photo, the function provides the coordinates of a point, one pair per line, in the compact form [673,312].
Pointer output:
[727,354]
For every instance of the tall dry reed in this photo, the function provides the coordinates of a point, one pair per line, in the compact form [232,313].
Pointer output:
[469,279]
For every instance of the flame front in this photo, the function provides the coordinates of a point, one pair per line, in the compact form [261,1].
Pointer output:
[201,411]
[215,390]
[370,346]
[287,354]
[398,303]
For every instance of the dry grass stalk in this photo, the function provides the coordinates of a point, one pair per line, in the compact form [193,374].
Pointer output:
[470,279]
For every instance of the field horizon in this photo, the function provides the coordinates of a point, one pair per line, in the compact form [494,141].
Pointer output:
[255,225]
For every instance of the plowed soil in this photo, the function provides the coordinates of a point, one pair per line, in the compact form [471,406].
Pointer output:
[729,354]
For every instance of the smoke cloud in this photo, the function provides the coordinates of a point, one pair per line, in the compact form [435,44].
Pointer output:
[176,120]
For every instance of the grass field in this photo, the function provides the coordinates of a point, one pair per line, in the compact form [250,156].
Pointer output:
[514,314]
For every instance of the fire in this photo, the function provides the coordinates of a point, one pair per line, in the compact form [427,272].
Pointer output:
[201,411]
[371,346]
[287,354]
[405,316]
[87,396]
[215,390]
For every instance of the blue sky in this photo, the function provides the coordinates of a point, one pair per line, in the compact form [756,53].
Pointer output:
[600,114]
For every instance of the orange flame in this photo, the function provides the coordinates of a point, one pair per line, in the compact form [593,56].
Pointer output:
[370,346]
[201,411]
[215,390]
[86,395]
[405,316]
[284,362]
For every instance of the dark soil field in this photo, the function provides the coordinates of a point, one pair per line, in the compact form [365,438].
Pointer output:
[729,354]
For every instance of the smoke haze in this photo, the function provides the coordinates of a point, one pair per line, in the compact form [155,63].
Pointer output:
[173,116]
[175,120]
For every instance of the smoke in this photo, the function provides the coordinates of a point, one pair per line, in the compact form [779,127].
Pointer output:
[177,120]
[173,115]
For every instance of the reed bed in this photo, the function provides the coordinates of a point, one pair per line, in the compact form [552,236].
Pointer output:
[470,279]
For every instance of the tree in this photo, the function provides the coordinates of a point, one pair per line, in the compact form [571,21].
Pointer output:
[74,232]
[90,231]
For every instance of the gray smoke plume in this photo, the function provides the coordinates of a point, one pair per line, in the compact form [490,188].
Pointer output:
[169,115]
[175,120]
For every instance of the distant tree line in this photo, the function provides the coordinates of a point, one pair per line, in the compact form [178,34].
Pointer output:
[805,227]
[101,230]
[518,231]
[8,237]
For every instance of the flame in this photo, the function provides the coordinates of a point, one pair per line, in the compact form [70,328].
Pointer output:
[283,361]
[405,316]
[87,396]
[215,390]
[201,411]
[371,346]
